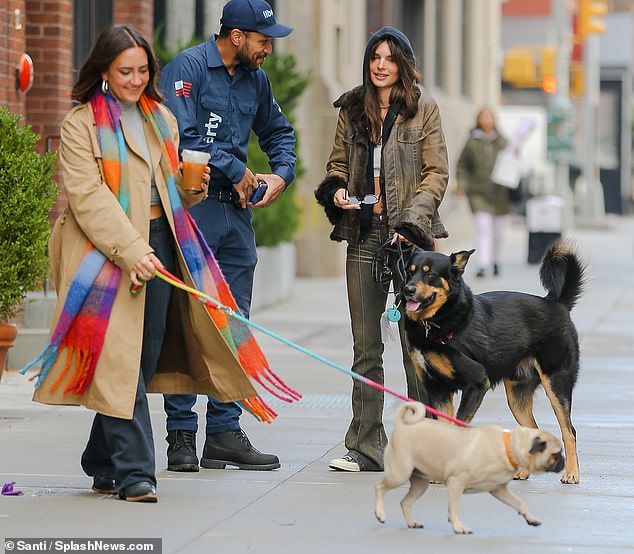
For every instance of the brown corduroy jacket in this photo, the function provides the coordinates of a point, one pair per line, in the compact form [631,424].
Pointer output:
[414,170]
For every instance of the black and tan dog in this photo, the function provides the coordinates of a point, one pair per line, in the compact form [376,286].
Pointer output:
[461,341]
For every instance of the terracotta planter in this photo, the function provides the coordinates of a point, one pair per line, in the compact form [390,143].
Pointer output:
[8,332]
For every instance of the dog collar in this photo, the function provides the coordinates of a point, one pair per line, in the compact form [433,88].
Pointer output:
[507,447]
[445,339]
[440,340]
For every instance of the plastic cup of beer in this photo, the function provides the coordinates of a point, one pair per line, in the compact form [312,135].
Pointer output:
[194,163]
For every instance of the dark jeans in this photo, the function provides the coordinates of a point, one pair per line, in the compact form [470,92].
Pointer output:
[367,302]
[229,233]
[123,449]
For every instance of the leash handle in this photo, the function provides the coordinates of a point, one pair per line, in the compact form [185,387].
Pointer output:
[135,290]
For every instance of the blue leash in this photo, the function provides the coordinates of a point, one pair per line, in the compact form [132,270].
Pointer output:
[206,299]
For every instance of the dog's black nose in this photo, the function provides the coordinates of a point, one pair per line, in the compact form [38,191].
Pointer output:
[409,290]
[558,463]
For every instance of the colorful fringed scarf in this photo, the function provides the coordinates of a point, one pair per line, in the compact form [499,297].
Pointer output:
[82,325]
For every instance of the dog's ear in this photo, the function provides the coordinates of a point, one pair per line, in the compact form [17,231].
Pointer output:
[539,445]
[413,251]
[459,261]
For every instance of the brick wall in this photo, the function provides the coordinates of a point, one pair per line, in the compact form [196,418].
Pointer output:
[47,36]
[49,41]
[139,13]
[12,44]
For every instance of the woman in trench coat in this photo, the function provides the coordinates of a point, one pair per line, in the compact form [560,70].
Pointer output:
[146,333]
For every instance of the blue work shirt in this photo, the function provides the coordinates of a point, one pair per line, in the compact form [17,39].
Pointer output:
[216,112]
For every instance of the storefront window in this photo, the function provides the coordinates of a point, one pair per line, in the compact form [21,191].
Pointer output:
[90,17]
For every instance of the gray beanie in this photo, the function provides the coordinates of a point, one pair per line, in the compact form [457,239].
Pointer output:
[382,34]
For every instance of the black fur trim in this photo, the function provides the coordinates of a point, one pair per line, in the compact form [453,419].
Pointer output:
[325,195]
[415,235]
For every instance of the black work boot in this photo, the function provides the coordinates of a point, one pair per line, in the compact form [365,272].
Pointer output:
[181,452]
[103,485]
[233,448]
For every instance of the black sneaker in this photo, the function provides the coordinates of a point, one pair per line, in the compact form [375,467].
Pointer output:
[103,485]
[139,492]
[234,448]
[181,452]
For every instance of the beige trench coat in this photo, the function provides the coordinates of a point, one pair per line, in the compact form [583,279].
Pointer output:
[195,358]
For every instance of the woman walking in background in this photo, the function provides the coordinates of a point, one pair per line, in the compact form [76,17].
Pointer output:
[489,202]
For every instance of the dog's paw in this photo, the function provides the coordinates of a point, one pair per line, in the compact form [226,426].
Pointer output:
[415,525]
[570,478]
[380,516]
[460,529]
[522,474]
[532,521]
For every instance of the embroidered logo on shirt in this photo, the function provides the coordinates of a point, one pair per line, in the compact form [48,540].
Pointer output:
[212,124]
[183,88]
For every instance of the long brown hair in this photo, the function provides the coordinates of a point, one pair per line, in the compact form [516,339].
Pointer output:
[405,90]
[109,44]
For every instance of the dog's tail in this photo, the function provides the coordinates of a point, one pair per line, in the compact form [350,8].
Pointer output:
[563,274]
[410,413]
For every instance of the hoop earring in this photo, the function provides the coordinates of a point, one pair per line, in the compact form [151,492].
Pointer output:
[104,86]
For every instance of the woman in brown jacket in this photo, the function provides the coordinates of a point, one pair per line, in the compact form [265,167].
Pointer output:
[119,159]
[386,177]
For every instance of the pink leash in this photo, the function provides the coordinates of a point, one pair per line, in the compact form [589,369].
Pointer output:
[212,302]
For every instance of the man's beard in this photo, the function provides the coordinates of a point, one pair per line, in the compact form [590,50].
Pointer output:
[247,62]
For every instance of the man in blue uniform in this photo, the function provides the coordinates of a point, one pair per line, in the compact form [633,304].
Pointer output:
[219,93]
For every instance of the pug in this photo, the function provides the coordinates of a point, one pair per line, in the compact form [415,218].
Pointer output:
[466,459]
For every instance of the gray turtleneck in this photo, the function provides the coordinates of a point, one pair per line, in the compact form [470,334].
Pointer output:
[131,116]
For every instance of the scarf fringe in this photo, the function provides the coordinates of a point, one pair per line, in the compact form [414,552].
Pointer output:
[257,368]
[259,409]
[271,377]
[46,359]
[84,369]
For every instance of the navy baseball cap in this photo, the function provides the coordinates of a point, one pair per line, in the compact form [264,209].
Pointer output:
[253,15]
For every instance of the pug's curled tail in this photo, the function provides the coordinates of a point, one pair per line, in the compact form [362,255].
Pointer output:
[562,274]
[411,413]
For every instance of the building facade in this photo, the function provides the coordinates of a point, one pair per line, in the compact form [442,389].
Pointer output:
[456,43]
[533,24]
[57,35]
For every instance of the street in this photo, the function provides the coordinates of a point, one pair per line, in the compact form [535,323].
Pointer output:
[305,507]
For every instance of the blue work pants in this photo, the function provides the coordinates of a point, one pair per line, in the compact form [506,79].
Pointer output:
[228,231]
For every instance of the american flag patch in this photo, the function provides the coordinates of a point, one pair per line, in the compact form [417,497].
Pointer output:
[183,88]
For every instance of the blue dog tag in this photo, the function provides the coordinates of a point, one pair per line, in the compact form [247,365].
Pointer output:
[393,315]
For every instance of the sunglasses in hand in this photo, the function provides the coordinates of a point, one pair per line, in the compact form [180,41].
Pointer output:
[367,199]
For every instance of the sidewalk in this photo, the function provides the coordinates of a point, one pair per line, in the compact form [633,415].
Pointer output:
[304,506]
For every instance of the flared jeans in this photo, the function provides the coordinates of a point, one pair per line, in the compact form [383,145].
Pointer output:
[367,301]
[123,449]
